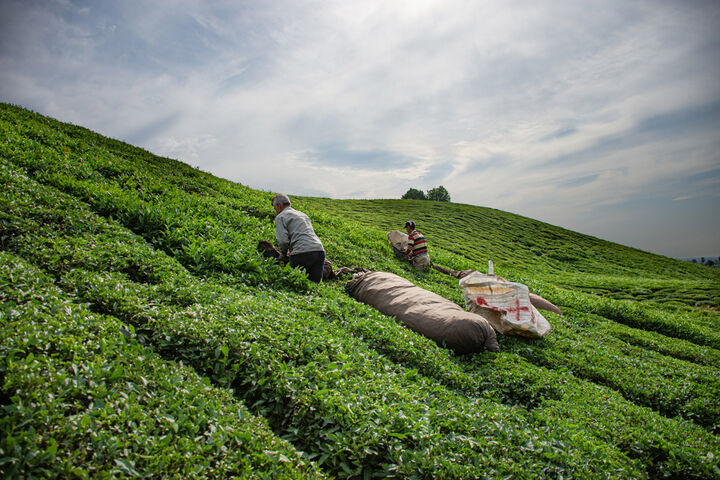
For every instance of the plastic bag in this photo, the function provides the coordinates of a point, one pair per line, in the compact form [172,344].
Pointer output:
[506,305]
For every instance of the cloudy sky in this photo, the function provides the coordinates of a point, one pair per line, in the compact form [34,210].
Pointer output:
[599,116]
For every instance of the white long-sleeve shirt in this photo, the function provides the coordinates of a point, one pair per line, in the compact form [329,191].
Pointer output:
[294,230]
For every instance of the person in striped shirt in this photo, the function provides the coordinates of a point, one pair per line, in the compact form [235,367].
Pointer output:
[417,247]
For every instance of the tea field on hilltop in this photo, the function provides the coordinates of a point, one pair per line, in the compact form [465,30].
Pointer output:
[144,336]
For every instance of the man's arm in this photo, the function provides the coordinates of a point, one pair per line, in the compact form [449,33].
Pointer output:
[281,236]
[410,244]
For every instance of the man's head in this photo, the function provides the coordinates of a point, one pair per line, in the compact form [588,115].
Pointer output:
[280,202]
[409,226]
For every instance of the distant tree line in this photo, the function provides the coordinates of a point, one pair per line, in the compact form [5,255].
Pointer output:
[439,194]
[709,262]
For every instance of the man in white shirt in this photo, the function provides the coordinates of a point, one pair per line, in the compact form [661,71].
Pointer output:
[294,233]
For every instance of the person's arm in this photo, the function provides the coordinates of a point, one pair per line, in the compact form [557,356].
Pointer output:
[411,243]
[281,236]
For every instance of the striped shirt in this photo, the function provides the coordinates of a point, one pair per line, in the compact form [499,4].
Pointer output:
[417,243]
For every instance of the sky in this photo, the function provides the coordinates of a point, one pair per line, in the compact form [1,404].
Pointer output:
[602,117]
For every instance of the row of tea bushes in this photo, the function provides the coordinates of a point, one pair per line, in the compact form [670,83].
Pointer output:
[665,292]
[671,347]
[579,345]
[680,323]
[207,237]
[82,399]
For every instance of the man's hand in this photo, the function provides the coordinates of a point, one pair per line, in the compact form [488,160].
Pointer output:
[284,257]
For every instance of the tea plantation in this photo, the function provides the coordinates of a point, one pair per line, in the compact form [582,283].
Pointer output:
[144,336]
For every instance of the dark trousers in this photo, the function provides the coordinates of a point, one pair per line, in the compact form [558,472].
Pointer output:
[312,262]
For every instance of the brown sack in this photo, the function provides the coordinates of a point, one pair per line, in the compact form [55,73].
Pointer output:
[328,273]
[268,249]
[452,273]
[541,304]
[424,312]
[331,274]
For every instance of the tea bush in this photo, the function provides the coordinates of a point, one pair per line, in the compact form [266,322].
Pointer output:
[82,399]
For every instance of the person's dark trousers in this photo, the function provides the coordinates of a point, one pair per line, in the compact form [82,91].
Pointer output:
[312,262]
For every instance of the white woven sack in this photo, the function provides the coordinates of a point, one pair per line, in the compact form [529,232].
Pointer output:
[398,239]
[506,305]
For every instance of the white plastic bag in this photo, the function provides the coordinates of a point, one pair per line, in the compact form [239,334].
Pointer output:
[506,305]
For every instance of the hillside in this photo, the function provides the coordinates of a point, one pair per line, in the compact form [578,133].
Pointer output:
[527,249]
[143,335]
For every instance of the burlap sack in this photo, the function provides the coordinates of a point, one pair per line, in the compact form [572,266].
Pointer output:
[328,270]
[424,312]
[268,249]
[331,274]
[542,304]
[453,273]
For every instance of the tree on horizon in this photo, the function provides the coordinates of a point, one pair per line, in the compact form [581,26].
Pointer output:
[414,194]
[439,194]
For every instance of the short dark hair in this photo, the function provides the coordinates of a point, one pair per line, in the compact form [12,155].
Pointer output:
[410,224]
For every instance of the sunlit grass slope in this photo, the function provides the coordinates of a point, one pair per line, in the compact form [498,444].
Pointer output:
[531,248]
[143,335]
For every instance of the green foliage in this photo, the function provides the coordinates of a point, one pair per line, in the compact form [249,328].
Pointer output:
[414,194]
[438,194]
[142,335]
[83,399]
